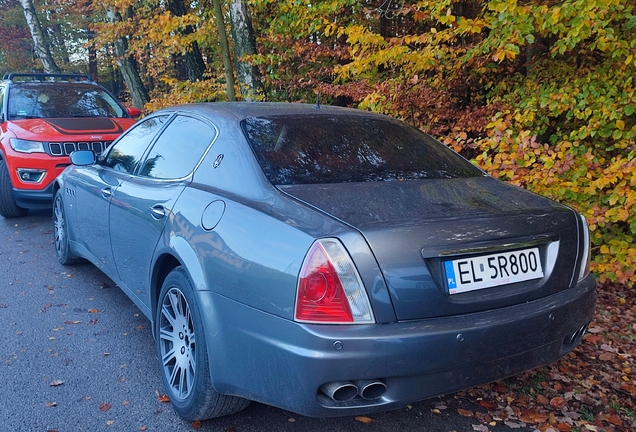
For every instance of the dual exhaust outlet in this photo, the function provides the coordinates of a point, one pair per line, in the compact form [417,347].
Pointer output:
[344,391]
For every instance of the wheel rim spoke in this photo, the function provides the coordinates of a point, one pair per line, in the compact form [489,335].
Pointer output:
[168,357]
[168,314]
[183,388]
[174,377]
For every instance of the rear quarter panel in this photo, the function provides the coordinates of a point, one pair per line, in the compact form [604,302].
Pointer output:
[249,256]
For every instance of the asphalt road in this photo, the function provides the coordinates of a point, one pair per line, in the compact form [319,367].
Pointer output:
[77,355]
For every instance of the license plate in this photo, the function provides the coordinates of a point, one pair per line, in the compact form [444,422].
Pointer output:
[469,274]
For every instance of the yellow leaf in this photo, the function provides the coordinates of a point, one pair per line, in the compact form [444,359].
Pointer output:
[620,124]
[364,419]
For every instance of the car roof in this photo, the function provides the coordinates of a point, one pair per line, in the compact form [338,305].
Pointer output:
[241,110]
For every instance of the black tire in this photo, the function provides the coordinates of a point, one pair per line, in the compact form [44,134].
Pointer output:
[8,207]
[183,356]
[60,232]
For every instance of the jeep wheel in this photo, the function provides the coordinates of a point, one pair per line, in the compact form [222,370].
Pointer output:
[8,206]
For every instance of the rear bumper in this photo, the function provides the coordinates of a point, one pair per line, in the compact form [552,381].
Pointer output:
[282,363]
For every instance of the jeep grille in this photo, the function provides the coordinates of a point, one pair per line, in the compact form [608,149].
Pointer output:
[66,148]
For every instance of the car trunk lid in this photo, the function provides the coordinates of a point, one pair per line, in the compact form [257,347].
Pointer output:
[417,229]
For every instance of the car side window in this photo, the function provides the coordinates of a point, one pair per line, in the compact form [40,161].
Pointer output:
[128,151]
[180,147]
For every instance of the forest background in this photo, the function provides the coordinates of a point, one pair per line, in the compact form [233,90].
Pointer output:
[539,93]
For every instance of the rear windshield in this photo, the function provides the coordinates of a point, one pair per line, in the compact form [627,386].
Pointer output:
[39,100]
[339,149]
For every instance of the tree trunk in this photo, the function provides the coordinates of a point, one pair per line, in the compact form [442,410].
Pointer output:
[128,66]
[248,75]
[93,70]
[225,51]
[41,45]
[193,60]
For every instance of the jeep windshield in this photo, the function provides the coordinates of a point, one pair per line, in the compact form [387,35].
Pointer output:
[51,100]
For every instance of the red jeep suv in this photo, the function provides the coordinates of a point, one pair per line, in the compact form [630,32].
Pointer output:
[43,119]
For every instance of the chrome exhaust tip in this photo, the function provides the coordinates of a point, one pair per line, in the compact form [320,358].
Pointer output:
[340,391]
[370,389]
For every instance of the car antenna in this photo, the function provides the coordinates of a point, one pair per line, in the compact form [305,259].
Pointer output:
[318,100]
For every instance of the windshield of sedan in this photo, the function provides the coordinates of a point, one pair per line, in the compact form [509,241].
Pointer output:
[339,149]
[61,100]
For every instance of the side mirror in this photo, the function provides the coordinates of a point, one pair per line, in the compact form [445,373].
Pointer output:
[82,157]
[134,112]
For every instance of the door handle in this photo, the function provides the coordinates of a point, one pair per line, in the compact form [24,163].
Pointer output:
[157,211]
[107,192]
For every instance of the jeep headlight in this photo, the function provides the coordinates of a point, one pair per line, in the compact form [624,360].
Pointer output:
[24,146]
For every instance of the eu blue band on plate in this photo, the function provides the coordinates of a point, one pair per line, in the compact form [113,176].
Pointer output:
[450,275]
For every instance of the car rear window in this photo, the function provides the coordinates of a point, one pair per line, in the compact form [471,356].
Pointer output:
[348,148]
[50,100]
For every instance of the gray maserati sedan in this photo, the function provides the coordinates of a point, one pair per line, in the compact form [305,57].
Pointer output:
[324,260]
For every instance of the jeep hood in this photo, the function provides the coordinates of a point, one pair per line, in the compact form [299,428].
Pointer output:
[57,129]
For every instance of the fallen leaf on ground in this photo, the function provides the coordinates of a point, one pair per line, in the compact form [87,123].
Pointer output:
[364,419]
[105,407]
[163,398]
[486,404]
[465,413]
[557,402]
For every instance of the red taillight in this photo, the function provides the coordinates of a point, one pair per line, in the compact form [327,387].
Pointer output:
[321,297]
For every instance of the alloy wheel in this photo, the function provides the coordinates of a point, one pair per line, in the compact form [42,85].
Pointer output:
[59,229]
[177,343]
